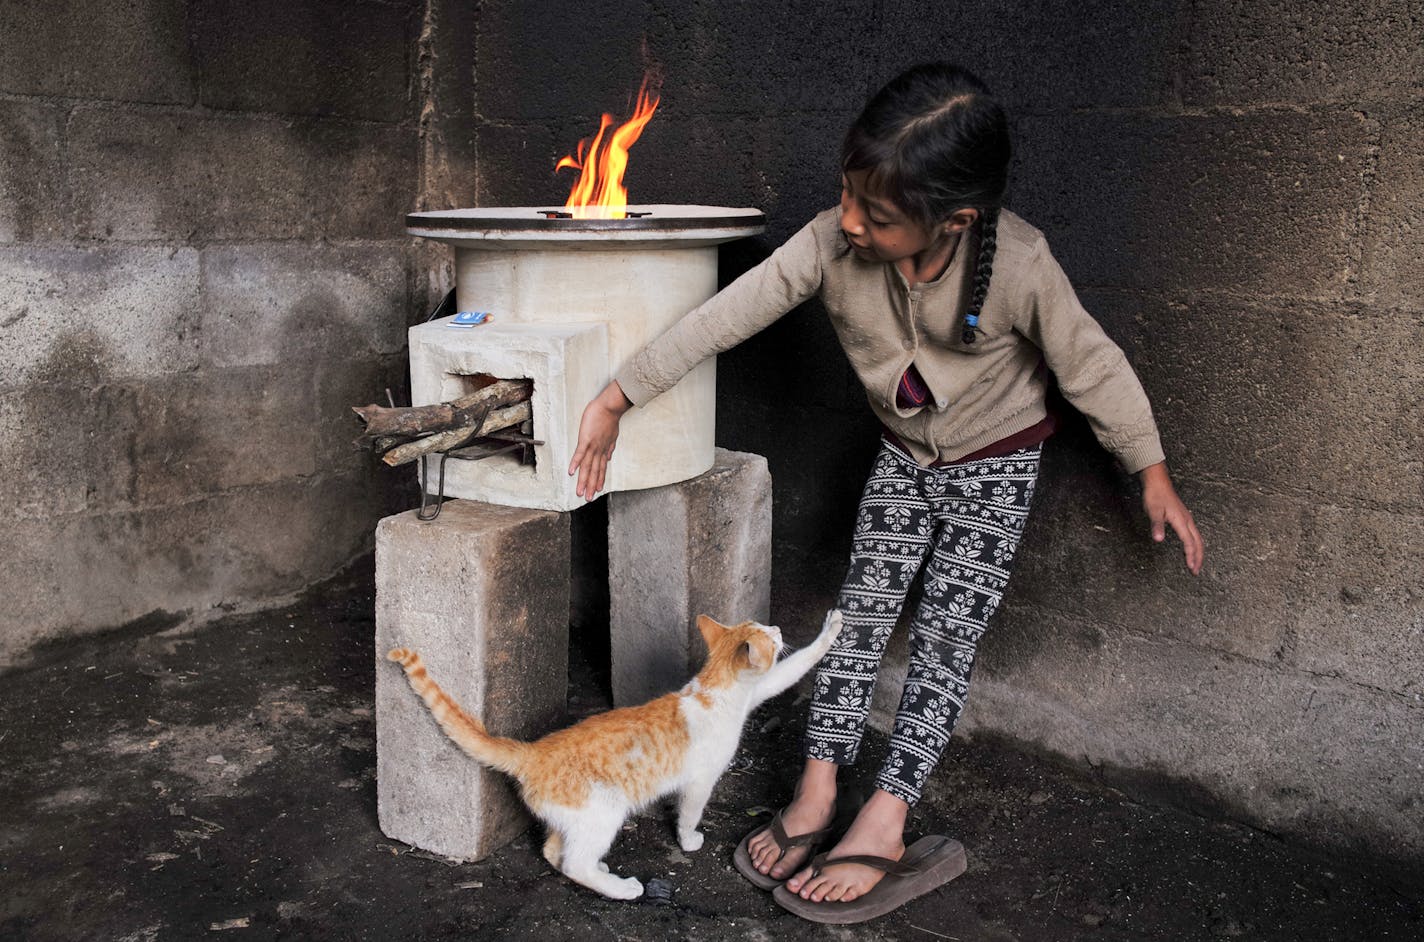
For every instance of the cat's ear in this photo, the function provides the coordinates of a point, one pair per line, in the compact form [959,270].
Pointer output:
[710,630]
[754,655]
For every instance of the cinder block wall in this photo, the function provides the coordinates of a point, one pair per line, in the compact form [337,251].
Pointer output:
[202,264]
[1237,191]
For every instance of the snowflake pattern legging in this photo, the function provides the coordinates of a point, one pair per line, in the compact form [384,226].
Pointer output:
[972,516]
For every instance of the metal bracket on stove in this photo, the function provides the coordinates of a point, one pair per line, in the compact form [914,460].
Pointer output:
[480,449]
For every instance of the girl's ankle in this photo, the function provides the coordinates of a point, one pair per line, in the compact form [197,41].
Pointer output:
[815,793]
[815,798]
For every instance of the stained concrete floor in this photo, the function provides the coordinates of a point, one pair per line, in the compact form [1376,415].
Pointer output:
[162,784]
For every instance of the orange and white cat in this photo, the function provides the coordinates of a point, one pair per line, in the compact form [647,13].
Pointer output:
[584,781]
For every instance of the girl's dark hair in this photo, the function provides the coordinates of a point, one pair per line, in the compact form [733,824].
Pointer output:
[935,140]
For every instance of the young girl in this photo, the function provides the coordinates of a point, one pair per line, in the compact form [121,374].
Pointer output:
[949,307]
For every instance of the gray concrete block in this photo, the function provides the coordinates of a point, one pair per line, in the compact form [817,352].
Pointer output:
[1088,551]
[1264,203]
[516,166]
[361,179]
[1041,57]
[1302,755]
[33,196]
[151,176]
[1358,599]
[584,60]
[82,573]
[1303,51]
[43,474]
[303,58]
[79,317]
[744,57]
[80,49]
[1300,397]
[1394,253]
[482,593]
[183,176]
[204,433]
[292,303]
[702,547]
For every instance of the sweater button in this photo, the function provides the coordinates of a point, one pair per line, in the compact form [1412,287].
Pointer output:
[942,402]
[909,345]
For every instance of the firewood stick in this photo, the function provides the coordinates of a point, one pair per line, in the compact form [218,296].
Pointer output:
[383,422]
[454,438]
[383,444]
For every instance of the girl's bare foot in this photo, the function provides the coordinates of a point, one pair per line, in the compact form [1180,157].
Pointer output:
[879,829]
[812,809]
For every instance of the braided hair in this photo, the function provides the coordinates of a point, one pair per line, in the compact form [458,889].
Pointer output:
[935,140]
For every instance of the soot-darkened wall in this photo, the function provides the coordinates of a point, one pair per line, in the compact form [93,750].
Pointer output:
[1235,189]
[202,265]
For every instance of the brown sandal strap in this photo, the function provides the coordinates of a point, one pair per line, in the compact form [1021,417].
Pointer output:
[896,868]
[786,841]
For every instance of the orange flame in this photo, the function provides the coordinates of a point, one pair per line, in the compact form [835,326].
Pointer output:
[599,191]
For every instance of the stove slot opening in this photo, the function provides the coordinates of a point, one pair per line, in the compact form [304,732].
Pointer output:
[512,444]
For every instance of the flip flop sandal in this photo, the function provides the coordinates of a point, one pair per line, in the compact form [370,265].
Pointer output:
[742,858]
[928,864]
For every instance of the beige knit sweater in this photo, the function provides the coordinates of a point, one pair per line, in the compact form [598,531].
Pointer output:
[982,392]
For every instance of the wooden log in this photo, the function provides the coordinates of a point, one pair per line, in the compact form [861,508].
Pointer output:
[384,422]
[497,420]
[384,443]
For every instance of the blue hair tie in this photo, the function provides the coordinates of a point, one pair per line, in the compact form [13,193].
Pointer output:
[971,323]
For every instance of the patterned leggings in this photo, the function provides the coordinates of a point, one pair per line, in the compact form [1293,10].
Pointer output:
[973,516]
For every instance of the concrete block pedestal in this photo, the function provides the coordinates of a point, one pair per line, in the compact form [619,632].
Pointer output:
[482,592]
[701,547]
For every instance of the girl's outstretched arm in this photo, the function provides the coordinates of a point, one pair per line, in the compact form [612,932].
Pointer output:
[1163,506]
[598,433]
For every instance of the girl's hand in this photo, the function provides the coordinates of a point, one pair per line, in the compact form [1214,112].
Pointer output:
[598,432]
[1163,506]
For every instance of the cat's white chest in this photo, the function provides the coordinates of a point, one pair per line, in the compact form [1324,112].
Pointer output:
[713,734]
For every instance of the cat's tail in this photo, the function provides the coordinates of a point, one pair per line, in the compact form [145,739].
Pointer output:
[497,752]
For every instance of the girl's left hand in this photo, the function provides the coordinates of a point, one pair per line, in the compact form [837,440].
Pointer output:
[1163,506]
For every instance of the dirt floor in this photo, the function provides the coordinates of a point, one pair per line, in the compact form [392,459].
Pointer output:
[162,784]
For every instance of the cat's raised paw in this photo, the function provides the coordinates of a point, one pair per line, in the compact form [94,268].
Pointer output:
[831,627]
[690,841]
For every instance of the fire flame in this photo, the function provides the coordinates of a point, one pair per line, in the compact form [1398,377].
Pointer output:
[599,191]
